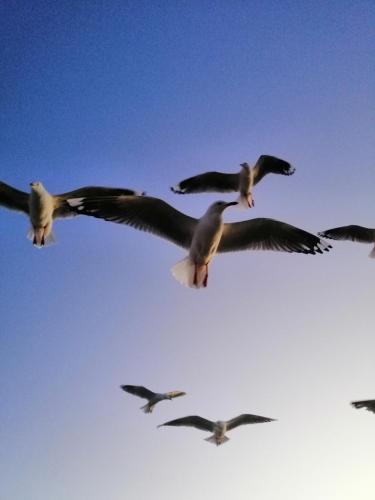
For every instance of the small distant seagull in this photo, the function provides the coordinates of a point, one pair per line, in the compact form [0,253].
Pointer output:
[352,233]
[152,397]
[218,428]
[368,404]
[243,181]
[203,237]
[42,208]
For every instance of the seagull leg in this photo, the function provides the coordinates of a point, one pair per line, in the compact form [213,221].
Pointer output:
[250,200]
[206,277]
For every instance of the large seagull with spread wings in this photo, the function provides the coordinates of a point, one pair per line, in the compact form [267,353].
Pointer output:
[218,428]
[203,237]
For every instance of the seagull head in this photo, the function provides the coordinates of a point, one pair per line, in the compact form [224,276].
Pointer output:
[36,186]
[219,206]
[245,166]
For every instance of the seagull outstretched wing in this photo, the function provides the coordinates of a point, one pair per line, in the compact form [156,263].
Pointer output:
[13,198]
[246,418]
[267,164]
[351,233]
[218,182]
[138,390]
[141,212]
[192,421]
[269,234]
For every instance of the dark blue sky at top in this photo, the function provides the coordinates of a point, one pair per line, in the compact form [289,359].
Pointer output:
[93,82]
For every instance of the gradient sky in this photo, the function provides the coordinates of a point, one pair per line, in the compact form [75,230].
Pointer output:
[142,94]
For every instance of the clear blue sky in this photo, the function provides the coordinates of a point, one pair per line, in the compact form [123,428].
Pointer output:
[143,94]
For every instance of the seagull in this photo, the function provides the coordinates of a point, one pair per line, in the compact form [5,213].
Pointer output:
[203,237]
[152,397]
[218,428]
[42,208]
[352,233]
[243,181]
[369,405]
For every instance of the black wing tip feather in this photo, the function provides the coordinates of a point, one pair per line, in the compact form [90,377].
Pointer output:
[177,189]
[325,234]
[126,387]
[368,404]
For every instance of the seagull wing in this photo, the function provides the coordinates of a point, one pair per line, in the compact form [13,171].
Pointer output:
[271,165]
[208,182]
[352,233]
[369,404]
[175,394]
[192,421]
[13,198]
[62,208]
[141,212]
[246,418]
[138,390]
[269,234]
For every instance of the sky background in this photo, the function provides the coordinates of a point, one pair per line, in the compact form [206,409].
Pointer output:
[142,94]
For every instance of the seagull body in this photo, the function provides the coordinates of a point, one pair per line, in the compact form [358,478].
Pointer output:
[203,237]
[218,428]
[152,397]
[206,238]
[42,208]
[369,404]
[243,181]
[355,233]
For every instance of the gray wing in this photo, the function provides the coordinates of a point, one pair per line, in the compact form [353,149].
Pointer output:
[351,233]
[270,165]
[13,198]
[192,421]
[62,208]
[246,418]
[368,404]
[141,212]
[208,182]
[175,394]
[269,234]
[138,390]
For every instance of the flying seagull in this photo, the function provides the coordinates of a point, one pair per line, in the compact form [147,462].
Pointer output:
[368,404]
[218,428]
[203,237]
[352,233]
[243,181]
[152,397]
[42,208]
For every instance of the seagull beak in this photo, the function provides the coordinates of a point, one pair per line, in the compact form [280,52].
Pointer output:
[231,203]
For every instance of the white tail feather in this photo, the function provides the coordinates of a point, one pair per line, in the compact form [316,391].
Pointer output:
[147,408]
[212,439]
[184,272]
[372,254]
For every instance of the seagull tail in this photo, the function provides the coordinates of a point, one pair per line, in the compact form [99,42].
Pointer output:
[372,253]
[184,272]
[212,439]
[245,200]
[147,408]
[36,236]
